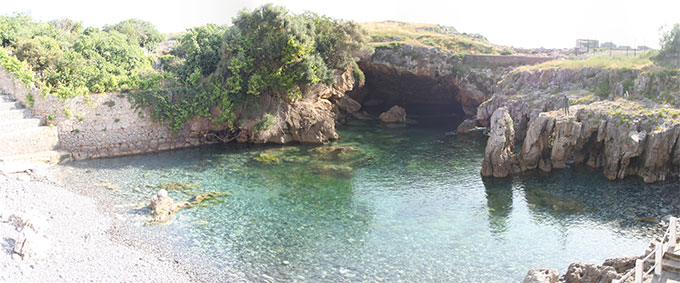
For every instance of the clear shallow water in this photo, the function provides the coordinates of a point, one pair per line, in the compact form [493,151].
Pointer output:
[414,208]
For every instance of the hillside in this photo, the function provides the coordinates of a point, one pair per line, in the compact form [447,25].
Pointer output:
[392,33]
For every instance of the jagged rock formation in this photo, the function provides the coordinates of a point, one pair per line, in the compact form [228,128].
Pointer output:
[620,136]
[498,156]
[613,268]
[310,119]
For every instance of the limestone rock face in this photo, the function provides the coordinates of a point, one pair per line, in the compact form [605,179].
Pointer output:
[498,156]
[396,114]
[596,137]
[542,275]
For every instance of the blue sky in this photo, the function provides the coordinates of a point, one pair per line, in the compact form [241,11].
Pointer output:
[528,23]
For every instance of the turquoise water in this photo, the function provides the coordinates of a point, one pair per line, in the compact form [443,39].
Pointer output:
[387,203]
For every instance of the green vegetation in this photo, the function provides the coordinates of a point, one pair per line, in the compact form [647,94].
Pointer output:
[200,48]
[616,62]
[65,60]
[392,34]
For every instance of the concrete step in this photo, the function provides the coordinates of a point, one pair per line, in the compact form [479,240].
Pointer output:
[14,114]
[19,163]
[673,253]
[666,277]
[668,265]
[28,140]
[9,105]
[18,125]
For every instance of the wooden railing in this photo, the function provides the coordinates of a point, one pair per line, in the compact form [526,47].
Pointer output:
[660,248]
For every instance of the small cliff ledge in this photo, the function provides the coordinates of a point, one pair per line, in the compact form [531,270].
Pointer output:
[614,122]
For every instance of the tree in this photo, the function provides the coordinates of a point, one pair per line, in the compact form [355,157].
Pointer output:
[138,32]
[269,51]
[670,46]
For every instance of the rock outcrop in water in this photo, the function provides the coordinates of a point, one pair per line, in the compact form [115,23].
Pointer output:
[621,136]
[498,155]
[163,207]
[396,114]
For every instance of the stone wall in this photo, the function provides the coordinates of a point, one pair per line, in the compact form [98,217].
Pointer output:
[506,60]
[104,125]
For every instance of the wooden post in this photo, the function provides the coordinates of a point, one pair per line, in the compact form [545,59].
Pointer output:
[674,232]
[639,266]
[658,258]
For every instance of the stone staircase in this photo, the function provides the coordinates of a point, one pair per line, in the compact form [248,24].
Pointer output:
[671,267]
[24,143]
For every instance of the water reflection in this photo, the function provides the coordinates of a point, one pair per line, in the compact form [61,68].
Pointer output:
[499,202]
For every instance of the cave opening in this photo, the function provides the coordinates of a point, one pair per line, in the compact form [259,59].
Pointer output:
[429,98]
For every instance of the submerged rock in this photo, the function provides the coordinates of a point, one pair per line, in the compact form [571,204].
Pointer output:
[207,197]
[265,158]
[396,114]
[341,171]
[163,207]
[550,201]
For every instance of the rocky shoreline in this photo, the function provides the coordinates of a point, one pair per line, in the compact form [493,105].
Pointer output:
[51,233]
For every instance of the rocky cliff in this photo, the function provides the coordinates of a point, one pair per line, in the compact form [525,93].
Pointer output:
[615,121]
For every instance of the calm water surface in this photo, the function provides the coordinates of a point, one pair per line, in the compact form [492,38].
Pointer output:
[402,203]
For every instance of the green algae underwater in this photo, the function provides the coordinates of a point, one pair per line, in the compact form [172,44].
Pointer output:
[383,203]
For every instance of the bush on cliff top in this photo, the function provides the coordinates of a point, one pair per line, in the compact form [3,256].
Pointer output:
[268,51]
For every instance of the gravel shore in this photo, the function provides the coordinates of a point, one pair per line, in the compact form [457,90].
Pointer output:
[82,244]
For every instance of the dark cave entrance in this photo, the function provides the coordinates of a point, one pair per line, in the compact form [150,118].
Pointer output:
[428,98]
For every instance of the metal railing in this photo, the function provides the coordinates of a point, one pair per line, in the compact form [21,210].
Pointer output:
[668,241]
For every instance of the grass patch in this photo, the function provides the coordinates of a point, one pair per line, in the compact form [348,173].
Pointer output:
[616,62]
